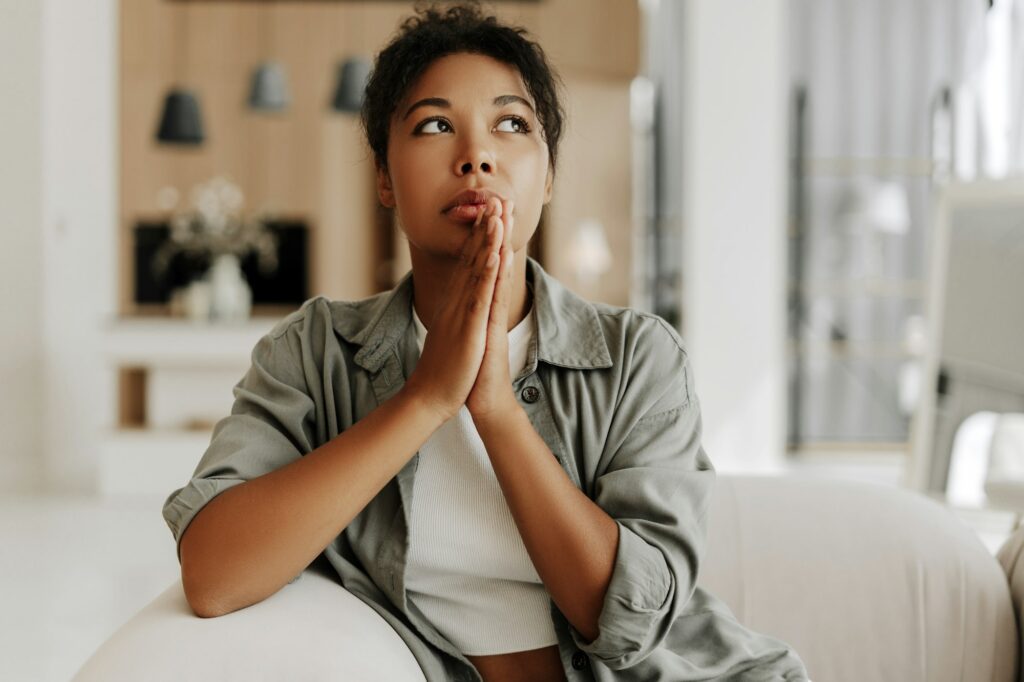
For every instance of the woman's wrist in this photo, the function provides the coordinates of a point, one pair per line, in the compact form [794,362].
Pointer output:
[412,394]
[509,416]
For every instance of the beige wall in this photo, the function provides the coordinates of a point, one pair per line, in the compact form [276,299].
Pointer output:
[21,280]
[312,162]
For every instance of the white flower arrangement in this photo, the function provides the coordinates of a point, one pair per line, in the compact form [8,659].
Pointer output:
[214,225]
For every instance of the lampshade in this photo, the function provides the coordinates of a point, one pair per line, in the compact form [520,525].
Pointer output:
[591,258]
[181,122]
[269,88]
[351,85]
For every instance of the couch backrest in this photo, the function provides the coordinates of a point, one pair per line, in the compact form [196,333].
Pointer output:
[866,582]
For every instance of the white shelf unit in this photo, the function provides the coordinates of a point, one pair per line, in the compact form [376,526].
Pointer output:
[174,383]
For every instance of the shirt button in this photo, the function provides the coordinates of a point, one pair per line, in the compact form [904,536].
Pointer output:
[579,660]
[530,394]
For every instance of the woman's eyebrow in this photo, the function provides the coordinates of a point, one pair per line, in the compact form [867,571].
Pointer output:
[500,100]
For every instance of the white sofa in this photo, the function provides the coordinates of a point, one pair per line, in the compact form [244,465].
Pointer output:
[867,583]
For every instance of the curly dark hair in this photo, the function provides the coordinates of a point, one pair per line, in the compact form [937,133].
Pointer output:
[436,32]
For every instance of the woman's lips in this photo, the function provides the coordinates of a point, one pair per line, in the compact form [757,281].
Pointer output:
[465,212]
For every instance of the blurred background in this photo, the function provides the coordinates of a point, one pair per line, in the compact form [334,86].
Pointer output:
[825,197]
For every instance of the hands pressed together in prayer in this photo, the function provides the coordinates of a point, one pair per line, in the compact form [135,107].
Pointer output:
[465,361]
[465,358]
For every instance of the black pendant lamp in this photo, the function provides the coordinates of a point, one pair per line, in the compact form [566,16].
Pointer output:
[181,122]
[353,74]
[354,71]
[269,89]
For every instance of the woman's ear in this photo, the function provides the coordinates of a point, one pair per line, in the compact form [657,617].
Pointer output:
[549,183]
[384,191]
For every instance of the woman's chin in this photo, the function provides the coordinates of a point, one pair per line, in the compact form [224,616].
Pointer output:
[435,250]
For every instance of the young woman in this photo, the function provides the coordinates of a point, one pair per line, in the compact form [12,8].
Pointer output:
[510,475]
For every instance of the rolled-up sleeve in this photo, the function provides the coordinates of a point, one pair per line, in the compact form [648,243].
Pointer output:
[656,484]
[270,425]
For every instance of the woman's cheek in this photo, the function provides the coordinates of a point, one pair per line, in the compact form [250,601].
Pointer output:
[523,230]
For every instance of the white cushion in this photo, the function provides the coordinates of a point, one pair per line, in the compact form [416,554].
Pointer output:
[312,629]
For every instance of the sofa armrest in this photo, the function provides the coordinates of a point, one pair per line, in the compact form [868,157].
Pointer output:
[865,582]
[1011,558]
[312,629]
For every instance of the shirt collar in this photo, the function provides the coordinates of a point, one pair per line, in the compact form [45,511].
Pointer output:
[568,331]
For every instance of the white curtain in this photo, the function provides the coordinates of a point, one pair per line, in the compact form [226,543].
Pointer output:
[1017,86]
[998,85]
[874,72]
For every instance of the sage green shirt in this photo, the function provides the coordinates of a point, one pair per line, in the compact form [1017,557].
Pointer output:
[611,392]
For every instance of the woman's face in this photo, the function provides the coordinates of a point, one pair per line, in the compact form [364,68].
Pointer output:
[467,124]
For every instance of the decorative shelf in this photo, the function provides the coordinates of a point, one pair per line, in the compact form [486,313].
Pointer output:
[175,380]
[862,349]
[873,286]
[869,165]
[168,342]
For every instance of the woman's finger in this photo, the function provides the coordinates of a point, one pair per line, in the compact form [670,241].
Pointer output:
[507,262]
[491,238]
[498,318]
[471,260]
[502,293]
[477,271]
[509,215]
[472,286]
[481,304]
[469,254]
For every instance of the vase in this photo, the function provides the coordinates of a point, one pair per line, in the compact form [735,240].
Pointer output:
[230,294]
[196,300]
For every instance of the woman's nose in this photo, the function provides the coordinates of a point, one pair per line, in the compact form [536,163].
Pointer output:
[475,159]
[482,166]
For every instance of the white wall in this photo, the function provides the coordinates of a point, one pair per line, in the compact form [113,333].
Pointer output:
[21,397]
[734,226]
[57,263]
[79,220]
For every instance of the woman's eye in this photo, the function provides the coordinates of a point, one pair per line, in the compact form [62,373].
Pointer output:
[434,126]
[515,125]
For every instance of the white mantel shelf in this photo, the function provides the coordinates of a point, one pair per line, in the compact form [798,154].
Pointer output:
[189,369]
[176,342]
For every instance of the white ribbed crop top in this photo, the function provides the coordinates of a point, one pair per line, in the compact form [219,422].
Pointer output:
[467,568]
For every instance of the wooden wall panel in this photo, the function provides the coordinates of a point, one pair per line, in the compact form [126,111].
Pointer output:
[593,183]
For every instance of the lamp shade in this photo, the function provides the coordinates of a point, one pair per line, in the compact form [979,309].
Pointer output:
[181,122]
[348,96]
[269,88]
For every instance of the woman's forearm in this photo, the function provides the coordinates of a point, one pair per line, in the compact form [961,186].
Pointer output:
[250,540]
